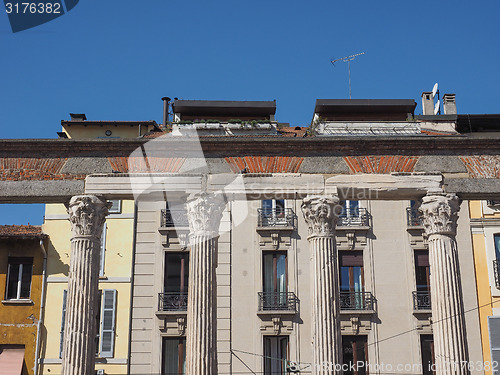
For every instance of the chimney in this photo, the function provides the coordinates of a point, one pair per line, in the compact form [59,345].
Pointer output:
[78,116]
[166,101]
[427,103]
[449,104]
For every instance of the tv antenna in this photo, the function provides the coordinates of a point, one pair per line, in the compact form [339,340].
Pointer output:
[348,60]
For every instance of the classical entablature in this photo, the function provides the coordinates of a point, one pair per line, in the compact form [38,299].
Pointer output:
[54,170]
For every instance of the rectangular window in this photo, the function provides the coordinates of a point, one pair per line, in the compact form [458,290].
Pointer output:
[355,352]
[494,331]
[275,280]
[175,282]
[275,355]
[105,322]
[427,350]
[496,239]
[273,212]
[116,206]
[422,271]
[173,356]
[102,256]
[352,280]
[19,274]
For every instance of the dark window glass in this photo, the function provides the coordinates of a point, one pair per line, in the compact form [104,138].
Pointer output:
[355,353]
[497,245]
[275,355]
[176,272]
[174,356]
[19,278]
[351,271]
[422,270]
[427,347]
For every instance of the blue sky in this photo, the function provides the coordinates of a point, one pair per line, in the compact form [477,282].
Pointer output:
[115,59]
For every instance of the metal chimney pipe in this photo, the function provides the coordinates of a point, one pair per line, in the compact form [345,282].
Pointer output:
[166,101]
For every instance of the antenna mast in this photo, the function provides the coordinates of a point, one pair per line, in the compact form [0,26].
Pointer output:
[348,60]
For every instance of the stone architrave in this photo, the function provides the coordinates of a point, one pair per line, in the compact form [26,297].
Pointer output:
[439,216]
[87,215]
[204,214]
[321,215]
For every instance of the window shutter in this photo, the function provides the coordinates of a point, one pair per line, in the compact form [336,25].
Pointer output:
[422,258]
[351,258]
[63,318]
[108,316]
[494,330]
[103,249]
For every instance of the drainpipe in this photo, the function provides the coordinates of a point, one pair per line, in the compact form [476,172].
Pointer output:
[134,240]
[42,306]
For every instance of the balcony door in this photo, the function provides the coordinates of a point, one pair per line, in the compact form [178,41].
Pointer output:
[275,355]
[355,354]
[422,271]
[352,279]
[176,279]
[275,279]
[273,212]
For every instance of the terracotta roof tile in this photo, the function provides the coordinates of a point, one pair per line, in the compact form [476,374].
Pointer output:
[21,231]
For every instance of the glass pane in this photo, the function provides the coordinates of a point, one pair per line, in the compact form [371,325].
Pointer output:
[357,279]
[497,246]
[170,357]
[344,279]
[26,280]
[267,206]
[13,281]
[280,207]
[281,272]
[175,265]
[268,273]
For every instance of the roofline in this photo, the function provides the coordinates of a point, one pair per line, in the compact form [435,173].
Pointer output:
[366,105]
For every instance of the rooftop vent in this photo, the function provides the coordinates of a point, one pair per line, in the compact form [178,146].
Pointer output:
[78,116]
[449,104]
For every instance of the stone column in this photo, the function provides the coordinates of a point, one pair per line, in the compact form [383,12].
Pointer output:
[321,215]
[439,216]
[87,215]
[204,215]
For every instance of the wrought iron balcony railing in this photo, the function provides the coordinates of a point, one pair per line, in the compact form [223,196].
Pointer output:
[286,301]
[421,301]
[496,271]
[272,217]
[172,301]
[172,218]
[354,217]
[413,217]
[356,301]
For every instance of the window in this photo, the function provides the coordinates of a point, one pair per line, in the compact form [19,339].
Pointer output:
[275,280]
[351,214]
[352,279]
[351,208]
[422,271]
[273,212]
[105,321]
[355,352]
[102,256]
[19,278]
[116,206]
[496,239]
[175,282]
[275,355]
[173,356]
[427,349]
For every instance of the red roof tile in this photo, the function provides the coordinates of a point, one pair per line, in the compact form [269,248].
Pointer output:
[21,231]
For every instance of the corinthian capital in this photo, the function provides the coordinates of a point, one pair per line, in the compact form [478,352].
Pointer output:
[204,212]
[440,214]
[321,214]
[87,214]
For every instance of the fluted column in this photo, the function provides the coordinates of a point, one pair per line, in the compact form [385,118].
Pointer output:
[439,216]
[204,215]
[87,215]
[321,215]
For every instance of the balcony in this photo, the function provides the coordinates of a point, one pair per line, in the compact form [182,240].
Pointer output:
[172,301]
[413,218]
[283,302]
[350,301]
[421,302]
[275,218]
[173,218]
[496,271]
[354,217]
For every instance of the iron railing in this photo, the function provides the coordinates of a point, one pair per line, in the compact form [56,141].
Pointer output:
[356,301]
[277,301]
[172,218]
[354,217]
[421,301]
[272,217]
[172,301]
[496,271]
[413,217]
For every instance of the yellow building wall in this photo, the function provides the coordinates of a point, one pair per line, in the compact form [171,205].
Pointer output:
[117,274]
[486,302]
[18,321]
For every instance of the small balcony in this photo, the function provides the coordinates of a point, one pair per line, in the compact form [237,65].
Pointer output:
[354,217]
[422,302]
[350,301]
[283,302]
[496,272]
[173,218]
[172,301]
[413,218]
[275,218]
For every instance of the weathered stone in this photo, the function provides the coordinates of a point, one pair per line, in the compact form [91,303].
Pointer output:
[87,165]
[441,163]
[324,164]
[51,191]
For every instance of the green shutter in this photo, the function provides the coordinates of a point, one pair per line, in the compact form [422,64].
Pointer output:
[108,317]
[63,318]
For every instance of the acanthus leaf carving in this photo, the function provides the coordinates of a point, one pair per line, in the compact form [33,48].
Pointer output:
[204,212]
[440,214]
[321,213]
[87,214]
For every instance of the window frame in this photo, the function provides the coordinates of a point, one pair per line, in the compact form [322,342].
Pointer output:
[117,210]
[23,263]
[277,341]
[181,354]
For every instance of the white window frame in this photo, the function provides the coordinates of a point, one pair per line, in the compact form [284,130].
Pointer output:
[19,281]
[117,210]
[102,256]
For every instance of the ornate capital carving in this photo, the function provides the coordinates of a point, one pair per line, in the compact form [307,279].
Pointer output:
[321,213]
[440,214]
[87,214]
[204,212]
